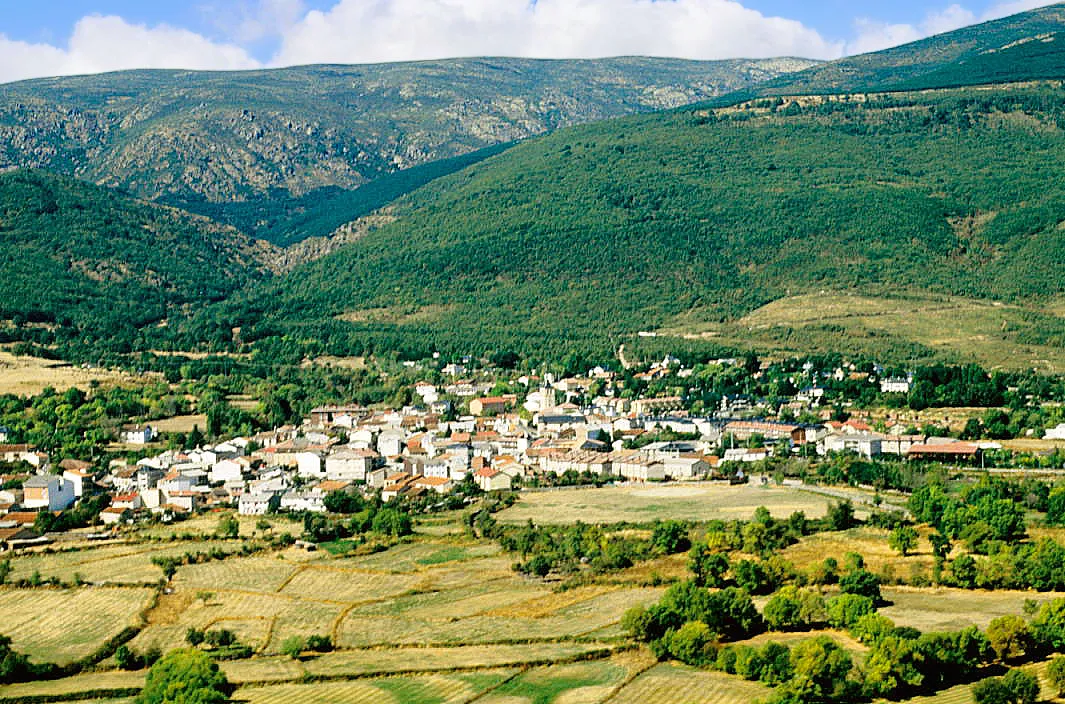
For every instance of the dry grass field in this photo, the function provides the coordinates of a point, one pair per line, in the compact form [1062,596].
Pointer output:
[180,424]
[870,543]
[671,683]
[116,563]
[63,625]
[968,329]
[643,504]
[941,609]
[28,376]
[439,689]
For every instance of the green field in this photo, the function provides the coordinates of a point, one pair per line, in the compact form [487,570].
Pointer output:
[695,502]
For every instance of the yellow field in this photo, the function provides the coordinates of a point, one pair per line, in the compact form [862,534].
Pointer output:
[180,424]
[968,328]
[122,563]
[870,543]
[671,683]
[28,376]
[73,686]
[206,525]
[702,502]
[440,689]
[953,609]
[63,625]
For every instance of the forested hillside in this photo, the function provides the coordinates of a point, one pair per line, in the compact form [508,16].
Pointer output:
[101,267]
[199,140]
[573,241]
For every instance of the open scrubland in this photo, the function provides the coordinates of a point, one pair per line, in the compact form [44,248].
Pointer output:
[439,616]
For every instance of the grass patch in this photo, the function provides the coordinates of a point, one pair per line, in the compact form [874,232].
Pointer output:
[439,557]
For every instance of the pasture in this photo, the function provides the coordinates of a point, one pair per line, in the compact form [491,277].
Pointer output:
[644,504]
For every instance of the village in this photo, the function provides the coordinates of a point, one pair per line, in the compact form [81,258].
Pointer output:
[559,431]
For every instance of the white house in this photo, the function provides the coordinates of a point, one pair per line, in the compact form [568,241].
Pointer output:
[137,435]
[865,444]
[350,464]
[895,385]
[78,479]
[52,493]
[309,464]
[256,504]
[685,467]
[492,479]
[637,468]
[390,443]
[312,500]
[1057,433]
[4,434]
[225,471]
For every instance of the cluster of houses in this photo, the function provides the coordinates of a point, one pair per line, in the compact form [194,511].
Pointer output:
[425,449]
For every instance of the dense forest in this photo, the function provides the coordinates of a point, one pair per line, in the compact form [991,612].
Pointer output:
[101,267]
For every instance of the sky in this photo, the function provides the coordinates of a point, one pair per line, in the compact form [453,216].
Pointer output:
[64,37]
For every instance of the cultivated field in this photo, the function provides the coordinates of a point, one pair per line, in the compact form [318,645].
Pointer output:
[439,689]
[944,609]
[121,563]
[180,424]
[63,625]
[643,504]
[437,617]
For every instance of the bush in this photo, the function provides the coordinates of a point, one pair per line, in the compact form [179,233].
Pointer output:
[292,647]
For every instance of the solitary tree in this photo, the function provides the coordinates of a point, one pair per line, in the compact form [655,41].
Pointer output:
[185,676]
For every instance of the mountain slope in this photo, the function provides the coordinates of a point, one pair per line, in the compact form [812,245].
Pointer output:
[574,241]
[190,137]
[95,265]
[1025,46]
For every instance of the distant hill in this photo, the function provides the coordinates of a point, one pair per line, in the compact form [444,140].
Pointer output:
[1026,46]
[572,243]
[99,266]
[204,140]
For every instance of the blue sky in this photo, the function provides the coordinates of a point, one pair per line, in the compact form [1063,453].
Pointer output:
[39,38]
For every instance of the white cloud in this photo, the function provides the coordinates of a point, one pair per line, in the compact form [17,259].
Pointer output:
[1006,9]
[110,43]
[364,31]
[269,18]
